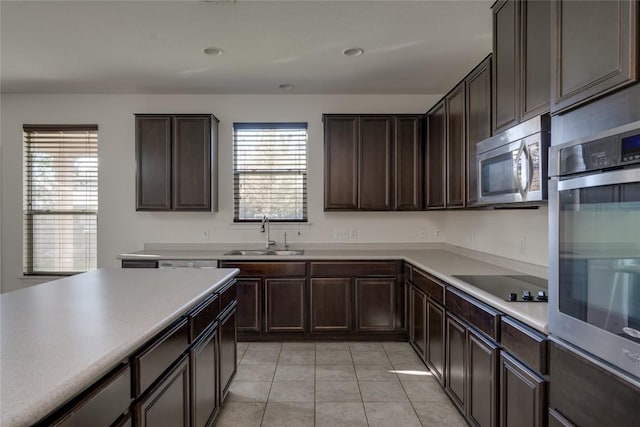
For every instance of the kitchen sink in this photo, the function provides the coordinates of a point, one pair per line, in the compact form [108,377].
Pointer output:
[255,252]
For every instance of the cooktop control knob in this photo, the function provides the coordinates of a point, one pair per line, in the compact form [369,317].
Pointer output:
[526,296]
[542,296]
[513,296]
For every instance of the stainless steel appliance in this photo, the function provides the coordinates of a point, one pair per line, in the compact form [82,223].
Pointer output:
[513,288]
[184,263]
[594,246]
[512,165]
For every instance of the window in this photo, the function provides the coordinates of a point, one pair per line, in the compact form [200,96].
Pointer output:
[270,171]
[60,198]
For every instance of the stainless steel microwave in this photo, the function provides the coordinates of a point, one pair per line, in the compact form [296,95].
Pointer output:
[512,165]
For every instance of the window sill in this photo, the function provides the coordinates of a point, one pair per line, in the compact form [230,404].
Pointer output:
[36,280]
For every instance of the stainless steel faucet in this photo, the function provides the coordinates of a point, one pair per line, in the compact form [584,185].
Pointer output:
[265,228]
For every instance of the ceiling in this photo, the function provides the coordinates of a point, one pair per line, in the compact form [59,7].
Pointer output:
[411,47]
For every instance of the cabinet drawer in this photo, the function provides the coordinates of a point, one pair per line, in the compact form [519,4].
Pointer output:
[365,268]
[138,263]
[267,269]
[104,403]
[524,343]
[429,286]
[228,294]
[480,316]
[149,363]
[203,316]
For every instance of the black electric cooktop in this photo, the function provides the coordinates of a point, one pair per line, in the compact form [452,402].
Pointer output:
[517,288]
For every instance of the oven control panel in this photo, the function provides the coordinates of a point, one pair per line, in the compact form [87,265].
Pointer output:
[603,153]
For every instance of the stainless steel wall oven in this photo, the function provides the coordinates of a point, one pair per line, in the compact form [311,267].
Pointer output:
[594,246]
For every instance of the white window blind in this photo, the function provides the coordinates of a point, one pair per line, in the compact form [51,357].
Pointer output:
[60,198]
[270,171]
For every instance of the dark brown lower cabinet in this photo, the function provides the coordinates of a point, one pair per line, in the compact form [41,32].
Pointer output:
[204,377]
[331,305]
[523,395]
[588,395]
[482,377]
[228,351]
[456,367]
[124,422]
[417,327]
[435,352]
[167,403]
[248,310]
[376,304]
[285,305]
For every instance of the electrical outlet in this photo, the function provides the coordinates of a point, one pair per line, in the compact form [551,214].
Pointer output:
[341,234]
[204,234]
[523,246]
[438,233]
[353,233]
[422,232]
[472,238]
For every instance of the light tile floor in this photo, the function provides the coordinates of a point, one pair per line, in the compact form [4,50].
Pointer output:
[378,384]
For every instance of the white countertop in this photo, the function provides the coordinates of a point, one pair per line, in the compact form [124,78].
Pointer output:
[59,337]
[443,262]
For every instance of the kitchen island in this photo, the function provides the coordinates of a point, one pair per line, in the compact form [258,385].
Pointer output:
[60,337]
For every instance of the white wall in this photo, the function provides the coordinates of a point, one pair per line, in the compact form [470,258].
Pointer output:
[518,234]
[122,229]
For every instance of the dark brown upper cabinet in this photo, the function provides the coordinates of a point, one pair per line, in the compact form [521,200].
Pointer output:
[375,165]
[176,158]
[408,162]
[595,50]
[435,179]
[372,162]
[340,162]
[456,147]
[521,58]
[478,84]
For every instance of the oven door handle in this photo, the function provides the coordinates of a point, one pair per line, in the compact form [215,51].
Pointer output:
[620,176]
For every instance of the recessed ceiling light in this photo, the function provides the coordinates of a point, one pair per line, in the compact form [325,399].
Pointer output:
[213,51]
[286,86]
[353,51]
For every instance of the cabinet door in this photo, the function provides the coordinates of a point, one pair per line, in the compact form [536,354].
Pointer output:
[456,368]
[249,303]
[523,395]
[228,352]
[204,379]
[456,147]
[375,304]
[418,323]
[506,39]
[153,163]
[331,305]
[340,162]
[435,161]
[435,340]
[483,381]
[285,305]
[167,404]
[595,45]
[478,121]
[535,74]
[408,163]
[375,167]
[192,163]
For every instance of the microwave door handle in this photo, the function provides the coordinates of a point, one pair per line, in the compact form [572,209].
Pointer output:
[530,166]
[517,171]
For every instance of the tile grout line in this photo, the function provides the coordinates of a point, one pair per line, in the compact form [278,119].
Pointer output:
[270,386]
[402,385]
